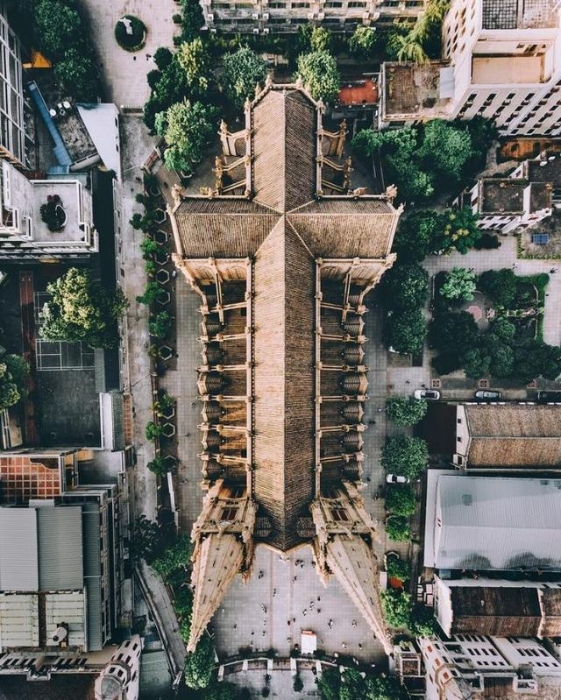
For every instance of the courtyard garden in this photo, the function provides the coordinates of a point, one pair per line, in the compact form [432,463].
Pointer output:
[491,325]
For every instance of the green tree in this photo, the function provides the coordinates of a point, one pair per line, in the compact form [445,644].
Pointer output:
[160,465]
[405,287]
[401,500]
[243,71]
[397,608]
[499,286]
[321,39]
[502,361]
[397,567]
[459,230]
[152,431]
[453,332]
[163,57]
[502,329]
[397,528]
[476,363]
[536,359]
[195,60]
[148,247]
[160,325]
[9,392]
[416,236]
[404,455]
[188,128]
[406,332]
[318,71]
[422,622]
[406,410]
[446,149]
[459,284]
[58,26]
[199,665]
[193,19]
[78,75]
[149,538]
[362,42]
[152,291]
[174,558]
[409,48]
[81,309]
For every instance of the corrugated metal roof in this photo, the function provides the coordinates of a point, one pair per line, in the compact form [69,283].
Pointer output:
[18,550]
[497,523]
[67,608]
[60,548]
[19,620]
[92,575]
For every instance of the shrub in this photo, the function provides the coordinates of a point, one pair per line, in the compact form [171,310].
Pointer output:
[397,567]
[406,410]
[404,455]
[134,40]
[401,500]
[397,528]
[397,608]
[298,685]
[153,431]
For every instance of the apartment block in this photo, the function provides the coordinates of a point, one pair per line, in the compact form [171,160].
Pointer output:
[501,60]
[23,233]
[285,16]
[478,667]
[12,105]
[506,56]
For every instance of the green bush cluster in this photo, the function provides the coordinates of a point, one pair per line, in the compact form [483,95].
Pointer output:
[404,290]
[427,160]
[62,35]
[135,40]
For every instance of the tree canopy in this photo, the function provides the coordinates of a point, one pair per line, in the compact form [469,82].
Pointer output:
[406,332]
[82,309]
[175,557]
[397,608]
[243,71]
[13,373]
[404,455]
[195,60]
[416,235]
[318,72]
[400,500]
[199,665]
[425,159]
[362,42]
[405,410]
[397,567]
[188,128]
[459,284]
[351,684]
[499,286]
[405,287]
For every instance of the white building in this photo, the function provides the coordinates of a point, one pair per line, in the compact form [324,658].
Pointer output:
[285,16]
[501,60]
[120,679]
[23,234]
[12,130]
[506,56]
[476,667]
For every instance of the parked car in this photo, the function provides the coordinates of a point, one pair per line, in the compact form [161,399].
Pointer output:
[488,395]
[549,396]
[427,394]
[396,479]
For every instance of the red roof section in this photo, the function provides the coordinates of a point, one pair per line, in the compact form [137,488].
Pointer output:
[365,92]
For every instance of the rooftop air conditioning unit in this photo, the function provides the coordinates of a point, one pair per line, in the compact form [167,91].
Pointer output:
[265,16]
[366,15]
[266,30]
[311,15]
[375,16]
[321,15]
[255,15]
[256,30]
[210,17]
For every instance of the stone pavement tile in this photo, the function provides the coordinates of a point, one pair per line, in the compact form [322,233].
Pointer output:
[125,72]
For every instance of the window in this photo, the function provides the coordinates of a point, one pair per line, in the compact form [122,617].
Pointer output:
[339,515]
[229,514]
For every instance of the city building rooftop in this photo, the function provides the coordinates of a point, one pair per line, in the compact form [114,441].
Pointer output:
[505,195]
[413,91]
[518,14]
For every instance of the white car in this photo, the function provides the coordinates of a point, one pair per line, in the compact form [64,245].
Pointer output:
[427,394]
[396,479]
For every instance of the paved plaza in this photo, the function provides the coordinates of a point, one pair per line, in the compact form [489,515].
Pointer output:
[125,72]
